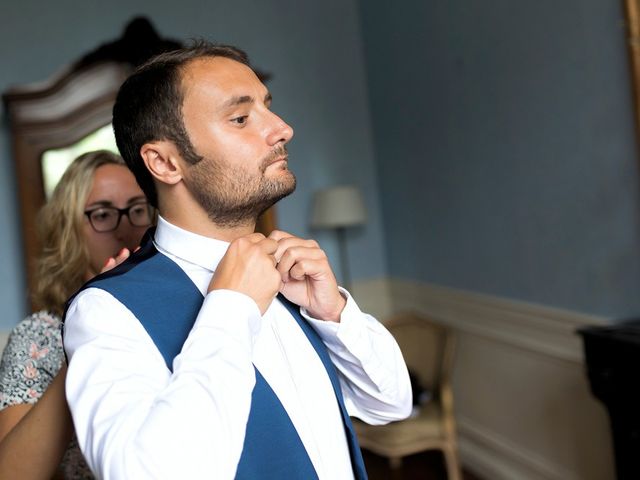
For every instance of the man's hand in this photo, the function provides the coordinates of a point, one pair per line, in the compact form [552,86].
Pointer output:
[249,267]
[307,278]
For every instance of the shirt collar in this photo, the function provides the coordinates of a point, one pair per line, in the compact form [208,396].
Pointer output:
[197,249]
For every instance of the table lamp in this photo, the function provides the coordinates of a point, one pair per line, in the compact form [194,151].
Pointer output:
[338,208]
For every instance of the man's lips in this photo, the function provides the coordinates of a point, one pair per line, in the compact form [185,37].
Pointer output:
[279,159]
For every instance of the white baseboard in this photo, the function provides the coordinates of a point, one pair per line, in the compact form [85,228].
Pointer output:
[523,403]
[481,447]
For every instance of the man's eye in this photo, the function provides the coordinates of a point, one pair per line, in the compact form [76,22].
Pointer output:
[240,120]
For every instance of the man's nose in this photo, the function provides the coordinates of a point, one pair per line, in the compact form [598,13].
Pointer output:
[280,131]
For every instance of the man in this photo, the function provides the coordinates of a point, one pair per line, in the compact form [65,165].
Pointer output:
[216,352]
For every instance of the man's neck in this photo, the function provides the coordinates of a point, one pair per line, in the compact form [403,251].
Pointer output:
[177,206]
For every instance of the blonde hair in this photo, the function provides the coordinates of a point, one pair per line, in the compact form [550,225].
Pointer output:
[64,259]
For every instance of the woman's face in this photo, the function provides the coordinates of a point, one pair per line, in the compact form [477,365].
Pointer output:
[113,186]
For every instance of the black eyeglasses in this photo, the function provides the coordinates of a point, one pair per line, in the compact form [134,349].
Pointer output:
[107,219]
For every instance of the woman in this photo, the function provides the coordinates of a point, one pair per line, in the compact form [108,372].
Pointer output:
[83,232]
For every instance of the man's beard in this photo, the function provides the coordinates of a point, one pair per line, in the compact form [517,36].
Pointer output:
[232,196]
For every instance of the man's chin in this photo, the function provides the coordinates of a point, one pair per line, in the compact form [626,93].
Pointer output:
[289,186]
[279,190]
[283,183]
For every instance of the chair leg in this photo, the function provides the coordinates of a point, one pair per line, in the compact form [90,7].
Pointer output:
[396,468]
[452,463]
[395,463]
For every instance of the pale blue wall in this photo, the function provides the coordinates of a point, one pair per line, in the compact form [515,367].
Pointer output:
[313,49]
[505,148]
[503,131]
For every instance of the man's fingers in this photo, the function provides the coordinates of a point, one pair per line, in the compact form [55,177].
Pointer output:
[254,237]
[307,267]
[279,235]
[287,243]
[266,245]
[249,267]
[295,255]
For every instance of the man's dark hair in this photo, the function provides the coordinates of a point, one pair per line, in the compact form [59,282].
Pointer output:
[149,107]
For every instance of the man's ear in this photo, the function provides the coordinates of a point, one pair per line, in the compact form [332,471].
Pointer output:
[162,161]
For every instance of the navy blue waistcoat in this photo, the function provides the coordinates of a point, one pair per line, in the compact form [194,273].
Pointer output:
[166,302]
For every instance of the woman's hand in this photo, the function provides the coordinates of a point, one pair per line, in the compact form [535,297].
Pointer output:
[117,260]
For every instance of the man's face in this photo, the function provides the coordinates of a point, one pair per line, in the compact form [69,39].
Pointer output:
[226,113]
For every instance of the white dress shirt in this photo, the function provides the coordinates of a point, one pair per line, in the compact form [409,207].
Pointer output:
[135,418]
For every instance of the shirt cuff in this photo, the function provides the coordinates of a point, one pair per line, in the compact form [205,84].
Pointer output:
[338,334]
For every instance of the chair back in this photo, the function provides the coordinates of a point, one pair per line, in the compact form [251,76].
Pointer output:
[427,347]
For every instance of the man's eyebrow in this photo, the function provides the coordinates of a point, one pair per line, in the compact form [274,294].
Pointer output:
[238,100]
[242,99]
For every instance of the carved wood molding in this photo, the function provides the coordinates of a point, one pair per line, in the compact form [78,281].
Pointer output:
[632,11]
[56,114]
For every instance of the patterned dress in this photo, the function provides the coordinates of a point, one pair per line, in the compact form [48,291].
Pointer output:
[32,358]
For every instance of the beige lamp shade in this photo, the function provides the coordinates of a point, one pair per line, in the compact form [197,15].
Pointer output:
[337,207]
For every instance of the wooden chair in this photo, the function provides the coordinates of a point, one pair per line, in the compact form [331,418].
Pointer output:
[428,351]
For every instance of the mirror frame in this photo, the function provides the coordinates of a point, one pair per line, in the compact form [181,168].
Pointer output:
[54,114]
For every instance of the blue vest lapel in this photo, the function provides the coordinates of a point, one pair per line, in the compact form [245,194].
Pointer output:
[354,448]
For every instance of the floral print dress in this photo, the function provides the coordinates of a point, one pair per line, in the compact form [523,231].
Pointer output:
[30,361]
